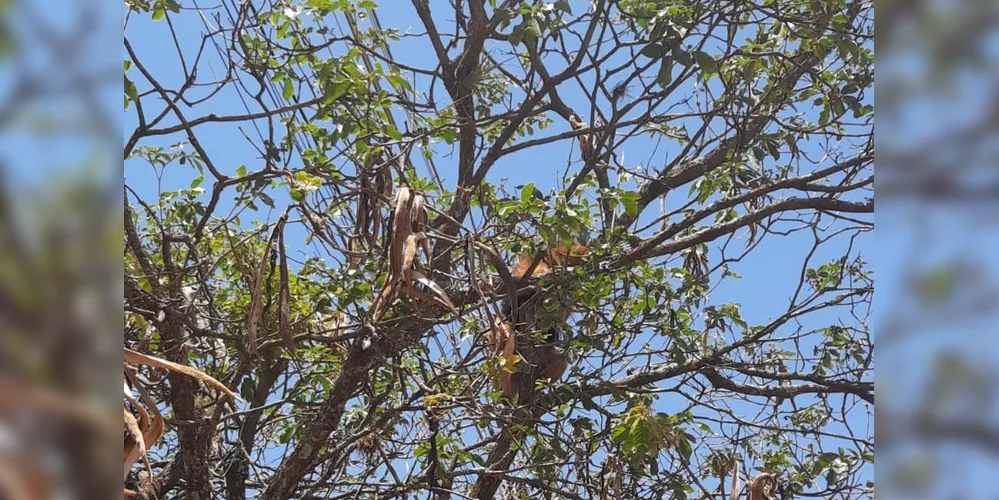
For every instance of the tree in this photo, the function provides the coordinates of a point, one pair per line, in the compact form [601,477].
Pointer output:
[287,158]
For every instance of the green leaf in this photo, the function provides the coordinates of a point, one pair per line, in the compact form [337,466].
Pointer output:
[749,72]
[682,56]
[706,62]
[773,150]
[532,29]
[759,154]
[683,446]
[297,195]
[527,192]
[653,50]
[630,202]
[247,389]
[517,35]
[289,89]
[563,5]
[158,13]
[665,75]
[339,89]
[197,182]
[131,93]
[264,197]
[241,171]
[398,82]
[392,132]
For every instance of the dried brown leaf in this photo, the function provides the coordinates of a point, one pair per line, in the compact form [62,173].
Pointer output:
[736,485]
[284,295]
[409,253]
[420,222]
[401,227]
[383,181]
[253,316]
[509,340]
[135,445]
[376,227]
[762,486]
[498,334]
[439,292]
[152,423]
[155,362]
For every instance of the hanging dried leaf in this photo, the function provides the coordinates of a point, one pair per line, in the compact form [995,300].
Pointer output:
[256,309]
[147,431]
[409,253]
[140,434]
[612,479]
[496,335]
[408,219]
[144,432]
[368,218]
[585,146]
[401,227]
[154,430]
[135,445]
[619,473]
[439,292]
[150,422]
[762,487]
[284,296]
[383,180]
[736,485]
[152,361]
[420,223]
[503,347]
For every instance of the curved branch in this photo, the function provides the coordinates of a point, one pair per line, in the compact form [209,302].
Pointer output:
[649,249]
[863,390]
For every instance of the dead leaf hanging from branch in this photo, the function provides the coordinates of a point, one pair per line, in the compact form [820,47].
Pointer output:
[504,356]
[256,308]
[284,295]
[143,432]
[368,220]
[138,358]
[585,143]
[408,236]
